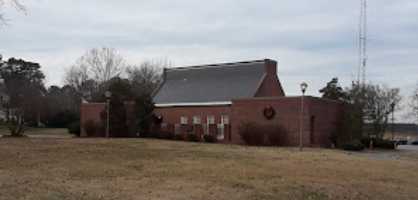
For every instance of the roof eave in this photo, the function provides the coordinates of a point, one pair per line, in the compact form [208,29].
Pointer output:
[194,104]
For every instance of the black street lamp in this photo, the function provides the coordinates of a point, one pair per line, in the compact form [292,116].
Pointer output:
[108,94]
[392,106]
[303,87]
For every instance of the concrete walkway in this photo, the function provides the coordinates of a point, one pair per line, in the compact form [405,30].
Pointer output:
[402,152]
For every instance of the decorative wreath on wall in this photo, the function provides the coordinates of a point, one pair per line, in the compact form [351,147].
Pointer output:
[269,112]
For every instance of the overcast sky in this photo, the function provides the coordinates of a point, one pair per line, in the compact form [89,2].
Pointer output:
[312,40]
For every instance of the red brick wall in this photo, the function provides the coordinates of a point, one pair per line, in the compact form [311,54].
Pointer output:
[90,111]
[320,117]
[172,115]
[327,114]
[270,85]
[288,116]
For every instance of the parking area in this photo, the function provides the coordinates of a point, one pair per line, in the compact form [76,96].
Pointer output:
[403,152]
[408,147]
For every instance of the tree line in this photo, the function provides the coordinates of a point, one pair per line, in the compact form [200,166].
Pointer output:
[26,101]
[368,109]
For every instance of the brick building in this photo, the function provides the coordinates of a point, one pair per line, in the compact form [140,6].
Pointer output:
[217,99]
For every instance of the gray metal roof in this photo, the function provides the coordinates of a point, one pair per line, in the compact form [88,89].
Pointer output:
[211,83]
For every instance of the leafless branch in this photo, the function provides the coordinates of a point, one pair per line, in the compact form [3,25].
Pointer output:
[147,76]
[14,3]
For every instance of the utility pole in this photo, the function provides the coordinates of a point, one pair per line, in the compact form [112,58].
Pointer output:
[392,105]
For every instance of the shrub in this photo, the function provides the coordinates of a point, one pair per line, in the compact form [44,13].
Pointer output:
[74,128]
[148,134]
[384,144]
[91,128]
[379,143]
[178,137]
[210,139]
[366,141]
[257,135]
[354,145]
[192,137]
[62,119]
[251,135]
[165,135]
[276,135]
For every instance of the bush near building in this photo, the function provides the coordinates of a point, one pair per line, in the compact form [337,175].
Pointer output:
[262,135]
[354,145]
[74,128]
[379,143]
[210,139]
[93,129]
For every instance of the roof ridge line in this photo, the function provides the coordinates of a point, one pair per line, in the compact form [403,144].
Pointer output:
[215,65]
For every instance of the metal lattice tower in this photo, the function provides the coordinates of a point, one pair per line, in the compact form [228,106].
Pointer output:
[362,63]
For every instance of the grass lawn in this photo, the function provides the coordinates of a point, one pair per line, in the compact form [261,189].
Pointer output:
[51,132]
[152,169]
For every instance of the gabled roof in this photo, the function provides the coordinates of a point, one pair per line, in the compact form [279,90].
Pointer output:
[218,84]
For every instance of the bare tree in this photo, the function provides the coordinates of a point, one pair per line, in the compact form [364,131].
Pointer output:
[15,3]
[147,76]
[102,64]
[377,106]
[76,76]
[414,105]
[92,71]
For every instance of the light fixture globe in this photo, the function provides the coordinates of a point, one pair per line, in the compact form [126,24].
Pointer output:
[303,87]
[108,94]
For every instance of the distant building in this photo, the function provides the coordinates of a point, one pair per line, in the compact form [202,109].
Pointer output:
[217,99]
[402,131]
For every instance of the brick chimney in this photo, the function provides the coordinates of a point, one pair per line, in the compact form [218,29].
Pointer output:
[270,67]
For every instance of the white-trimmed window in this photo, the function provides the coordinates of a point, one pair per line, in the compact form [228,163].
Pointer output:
[221,132]
[225,119]
[177,129]
[211,119]
[184,120]
[197,120]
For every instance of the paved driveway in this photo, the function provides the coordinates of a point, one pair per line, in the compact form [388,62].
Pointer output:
[402,152]
[408,147]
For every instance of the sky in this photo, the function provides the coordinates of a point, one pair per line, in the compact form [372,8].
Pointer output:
[313,41]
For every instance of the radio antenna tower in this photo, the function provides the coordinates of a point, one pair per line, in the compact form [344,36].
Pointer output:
[362,62]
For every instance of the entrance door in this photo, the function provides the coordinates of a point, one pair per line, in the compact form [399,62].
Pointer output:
[312,130]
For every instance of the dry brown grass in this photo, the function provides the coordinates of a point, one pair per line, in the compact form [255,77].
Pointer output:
[152,169]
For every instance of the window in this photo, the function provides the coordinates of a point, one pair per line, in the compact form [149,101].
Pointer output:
[225,119]
[183,120]
[211,119]
[221,132]
[177,129]
[197,120]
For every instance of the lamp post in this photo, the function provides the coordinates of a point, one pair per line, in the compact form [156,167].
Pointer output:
[108,94]
[303,88]
[392,107]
